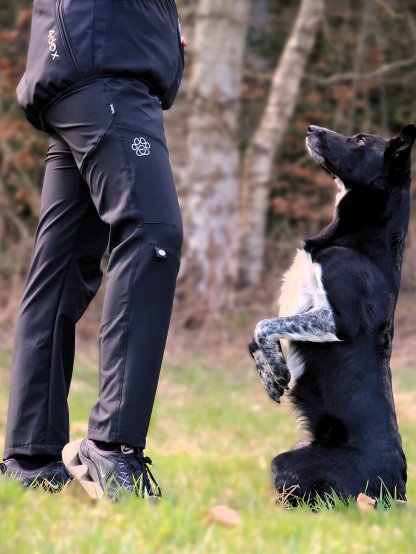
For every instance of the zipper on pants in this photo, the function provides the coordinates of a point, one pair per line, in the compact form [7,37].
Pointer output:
[65,38]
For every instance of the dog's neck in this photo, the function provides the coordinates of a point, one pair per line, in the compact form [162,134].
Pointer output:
[374,224]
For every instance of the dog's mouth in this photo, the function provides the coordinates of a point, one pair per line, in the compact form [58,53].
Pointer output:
[315,153]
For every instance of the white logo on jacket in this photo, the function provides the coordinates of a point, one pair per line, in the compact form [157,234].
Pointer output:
[141,146]
[52,44]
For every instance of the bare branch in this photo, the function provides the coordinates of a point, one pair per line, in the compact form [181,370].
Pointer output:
[352,76]
[391,12]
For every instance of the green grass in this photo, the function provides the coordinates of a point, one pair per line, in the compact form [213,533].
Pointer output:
[212,437]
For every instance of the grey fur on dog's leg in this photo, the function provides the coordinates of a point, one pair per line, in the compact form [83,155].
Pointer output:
[283,367]
[273,388]
[278,370]
[317,325]
[276,363]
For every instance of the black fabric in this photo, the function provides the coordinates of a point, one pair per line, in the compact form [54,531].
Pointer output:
[108,181]
[108,446]
[74,40]
[36,462]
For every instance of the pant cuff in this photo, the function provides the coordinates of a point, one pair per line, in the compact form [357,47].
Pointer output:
[137,441]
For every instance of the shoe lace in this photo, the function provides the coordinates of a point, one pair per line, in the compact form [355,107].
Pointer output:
[149,484]
[143,479]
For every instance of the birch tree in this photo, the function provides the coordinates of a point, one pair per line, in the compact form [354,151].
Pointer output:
[176,119]
[261,152]
[210,190]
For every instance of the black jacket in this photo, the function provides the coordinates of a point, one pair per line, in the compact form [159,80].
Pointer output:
[72,41]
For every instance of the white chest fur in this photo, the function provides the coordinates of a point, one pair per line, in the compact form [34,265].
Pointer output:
[302,290]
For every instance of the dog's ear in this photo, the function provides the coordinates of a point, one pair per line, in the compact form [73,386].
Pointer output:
[399,147]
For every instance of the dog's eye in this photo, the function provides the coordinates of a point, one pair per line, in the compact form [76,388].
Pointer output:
[360,141]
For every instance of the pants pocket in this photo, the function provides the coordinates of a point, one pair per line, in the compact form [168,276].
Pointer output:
[151,176]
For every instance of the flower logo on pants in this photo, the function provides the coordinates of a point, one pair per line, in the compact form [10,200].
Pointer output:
[141,146]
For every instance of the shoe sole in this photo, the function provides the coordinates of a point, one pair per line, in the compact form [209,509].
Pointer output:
[79,470]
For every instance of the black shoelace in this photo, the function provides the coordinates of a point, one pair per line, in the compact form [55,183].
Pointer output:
[147,482]
[135,476]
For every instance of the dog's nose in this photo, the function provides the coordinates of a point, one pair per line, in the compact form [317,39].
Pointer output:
[316,129]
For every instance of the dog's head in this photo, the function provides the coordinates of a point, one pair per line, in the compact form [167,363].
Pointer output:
[373,175]
[364,160]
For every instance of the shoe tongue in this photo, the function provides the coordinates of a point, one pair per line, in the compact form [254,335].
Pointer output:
[126,449]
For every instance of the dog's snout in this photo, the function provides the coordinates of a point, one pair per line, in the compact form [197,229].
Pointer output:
[315,129]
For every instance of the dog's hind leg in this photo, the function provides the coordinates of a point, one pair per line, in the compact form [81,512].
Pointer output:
[308,473]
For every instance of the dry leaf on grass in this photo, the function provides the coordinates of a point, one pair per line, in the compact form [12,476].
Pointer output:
[365,502]
[224,516]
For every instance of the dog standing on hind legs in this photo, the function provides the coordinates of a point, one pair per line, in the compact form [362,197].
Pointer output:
[330,347]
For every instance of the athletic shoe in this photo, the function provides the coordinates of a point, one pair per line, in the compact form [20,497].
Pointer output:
[52,477]
[110,472]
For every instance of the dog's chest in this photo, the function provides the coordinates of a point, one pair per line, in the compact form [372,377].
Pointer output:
[302,287]
[301,290]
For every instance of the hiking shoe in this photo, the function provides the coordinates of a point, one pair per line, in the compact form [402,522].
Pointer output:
[52,477]
[110,472]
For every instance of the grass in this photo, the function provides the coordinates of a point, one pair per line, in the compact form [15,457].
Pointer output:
[213,435]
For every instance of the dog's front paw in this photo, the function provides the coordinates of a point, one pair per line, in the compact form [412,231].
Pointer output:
[280,371]
[273,381]
[269,345]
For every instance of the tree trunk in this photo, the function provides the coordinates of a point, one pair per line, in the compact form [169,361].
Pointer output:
[365,27]
[261,152]
[210,191]
[176,119]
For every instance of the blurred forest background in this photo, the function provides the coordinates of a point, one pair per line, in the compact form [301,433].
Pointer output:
[258,73]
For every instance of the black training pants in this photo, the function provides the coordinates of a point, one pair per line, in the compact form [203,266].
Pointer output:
[108,181]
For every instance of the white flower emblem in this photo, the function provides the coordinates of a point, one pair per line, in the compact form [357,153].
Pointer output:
[141,146]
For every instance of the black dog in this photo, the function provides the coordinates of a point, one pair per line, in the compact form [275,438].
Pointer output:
[332,339]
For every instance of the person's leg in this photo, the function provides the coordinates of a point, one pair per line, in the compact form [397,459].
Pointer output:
[63,278]
[116,136]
